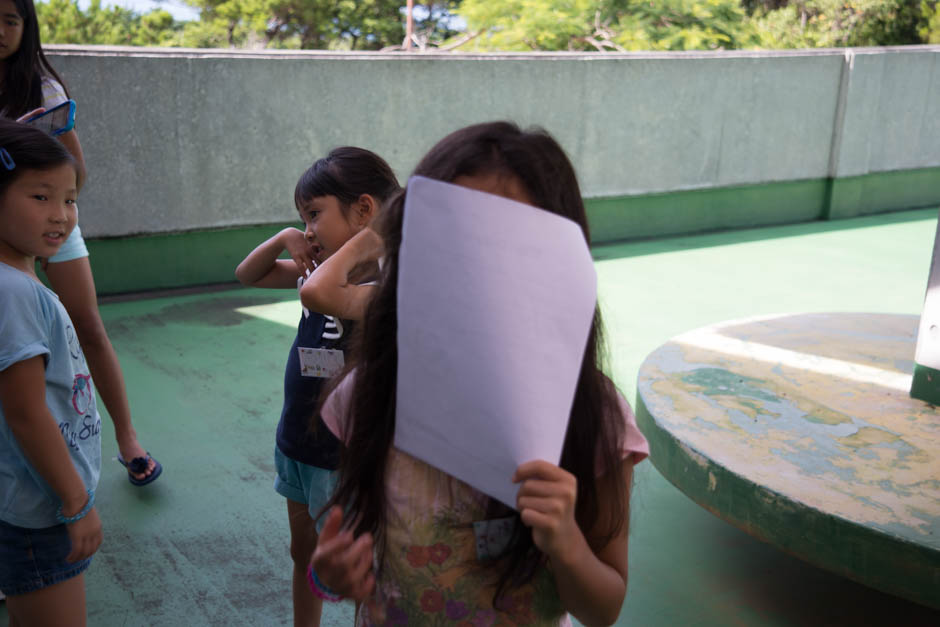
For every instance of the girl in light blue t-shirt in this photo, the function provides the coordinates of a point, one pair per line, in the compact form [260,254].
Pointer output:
[28,83]
[50,444]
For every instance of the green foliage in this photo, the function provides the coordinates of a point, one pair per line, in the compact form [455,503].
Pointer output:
[157,28]
[607,24]
[526,24]
[63,22]
[227,24]
[584,25]
[930,29]
[687,25]
[838,23]
[336,24]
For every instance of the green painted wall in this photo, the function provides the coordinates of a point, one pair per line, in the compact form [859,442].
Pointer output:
[884,191]
[155,262]
[694,211]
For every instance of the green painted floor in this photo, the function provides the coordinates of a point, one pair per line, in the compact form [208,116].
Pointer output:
[207,543]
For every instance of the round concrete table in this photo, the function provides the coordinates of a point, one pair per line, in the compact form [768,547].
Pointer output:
[799,429]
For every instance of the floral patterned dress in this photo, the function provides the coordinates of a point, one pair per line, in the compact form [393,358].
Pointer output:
[438,543]
[437,546]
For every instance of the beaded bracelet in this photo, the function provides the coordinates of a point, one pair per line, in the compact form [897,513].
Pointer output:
[319,588]
[68,520]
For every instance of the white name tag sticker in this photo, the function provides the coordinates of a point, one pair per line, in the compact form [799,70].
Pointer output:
[320,362]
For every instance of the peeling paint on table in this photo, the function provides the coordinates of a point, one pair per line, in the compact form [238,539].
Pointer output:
[800,430]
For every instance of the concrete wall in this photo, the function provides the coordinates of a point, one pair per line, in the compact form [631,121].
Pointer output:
[192,140]
[892,112]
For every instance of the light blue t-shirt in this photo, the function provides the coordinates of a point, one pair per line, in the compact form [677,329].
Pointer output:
[33,322]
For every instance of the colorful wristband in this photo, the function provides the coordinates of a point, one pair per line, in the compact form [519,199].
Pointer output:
[68,520]
[319,588]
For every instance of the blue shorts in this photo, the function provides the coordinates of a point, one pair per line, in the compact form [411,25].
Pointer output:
[73,248]
[33,559]
[303,483]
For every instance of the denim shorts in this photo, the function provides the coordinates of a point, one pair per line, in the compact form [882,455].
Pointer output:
[33,559]
[303,483]
[73,248]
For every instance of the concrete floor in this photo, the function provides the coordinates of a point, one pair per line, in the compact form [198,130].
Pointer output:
[207,543]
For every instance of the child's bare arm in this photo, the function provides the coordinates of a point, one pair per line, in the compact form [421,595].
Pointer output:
[592,586]
[23,396]
[329,291]
[262,268]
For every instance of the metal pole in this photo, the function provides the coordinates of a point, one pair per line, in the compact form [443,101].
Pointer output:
[409,24]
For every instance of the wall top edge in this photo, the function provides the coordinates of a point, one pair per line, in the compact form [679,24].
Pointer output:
[224,53]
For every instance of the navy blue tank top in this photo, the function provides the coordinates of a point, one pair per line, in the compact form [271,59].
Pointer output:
[296,437]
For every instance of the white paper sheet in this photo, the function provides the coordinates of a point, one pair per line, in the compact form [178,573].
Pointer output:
[495,301]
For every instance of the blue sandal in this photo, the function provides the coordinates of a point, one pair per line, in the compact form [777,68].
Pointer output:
[139,465]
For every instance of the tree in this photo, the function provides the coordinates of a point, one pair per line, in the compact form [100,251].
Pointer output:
[752,6]
[227,24]
[157,28]
[468,25]
[838,23]
[687,25]
[607,24]
[930,30]
[63,22]
[342,24]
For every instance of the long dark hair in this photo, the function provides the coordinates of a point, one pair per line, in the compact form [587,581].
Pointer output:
[591,450]
[25,68]
[26,148]
[347,172]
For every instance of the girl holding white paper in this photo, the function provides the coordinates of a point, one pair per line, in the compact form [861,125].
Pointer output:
[336,197]
[425,546]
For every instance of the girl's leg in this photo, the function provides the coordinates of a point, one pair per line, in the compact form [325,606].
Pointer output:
[303,540]
[75,286]
[59,604]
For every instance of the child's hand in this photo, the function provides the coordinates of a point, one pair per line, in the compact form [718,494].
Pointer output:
[30,114]
[342,563]
[85,535]
[368,244]
[546,503]
[299,250]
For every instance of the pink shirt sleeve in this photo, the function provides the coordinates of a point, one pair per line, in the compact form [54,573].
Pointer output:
[334,409]
[634,444]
